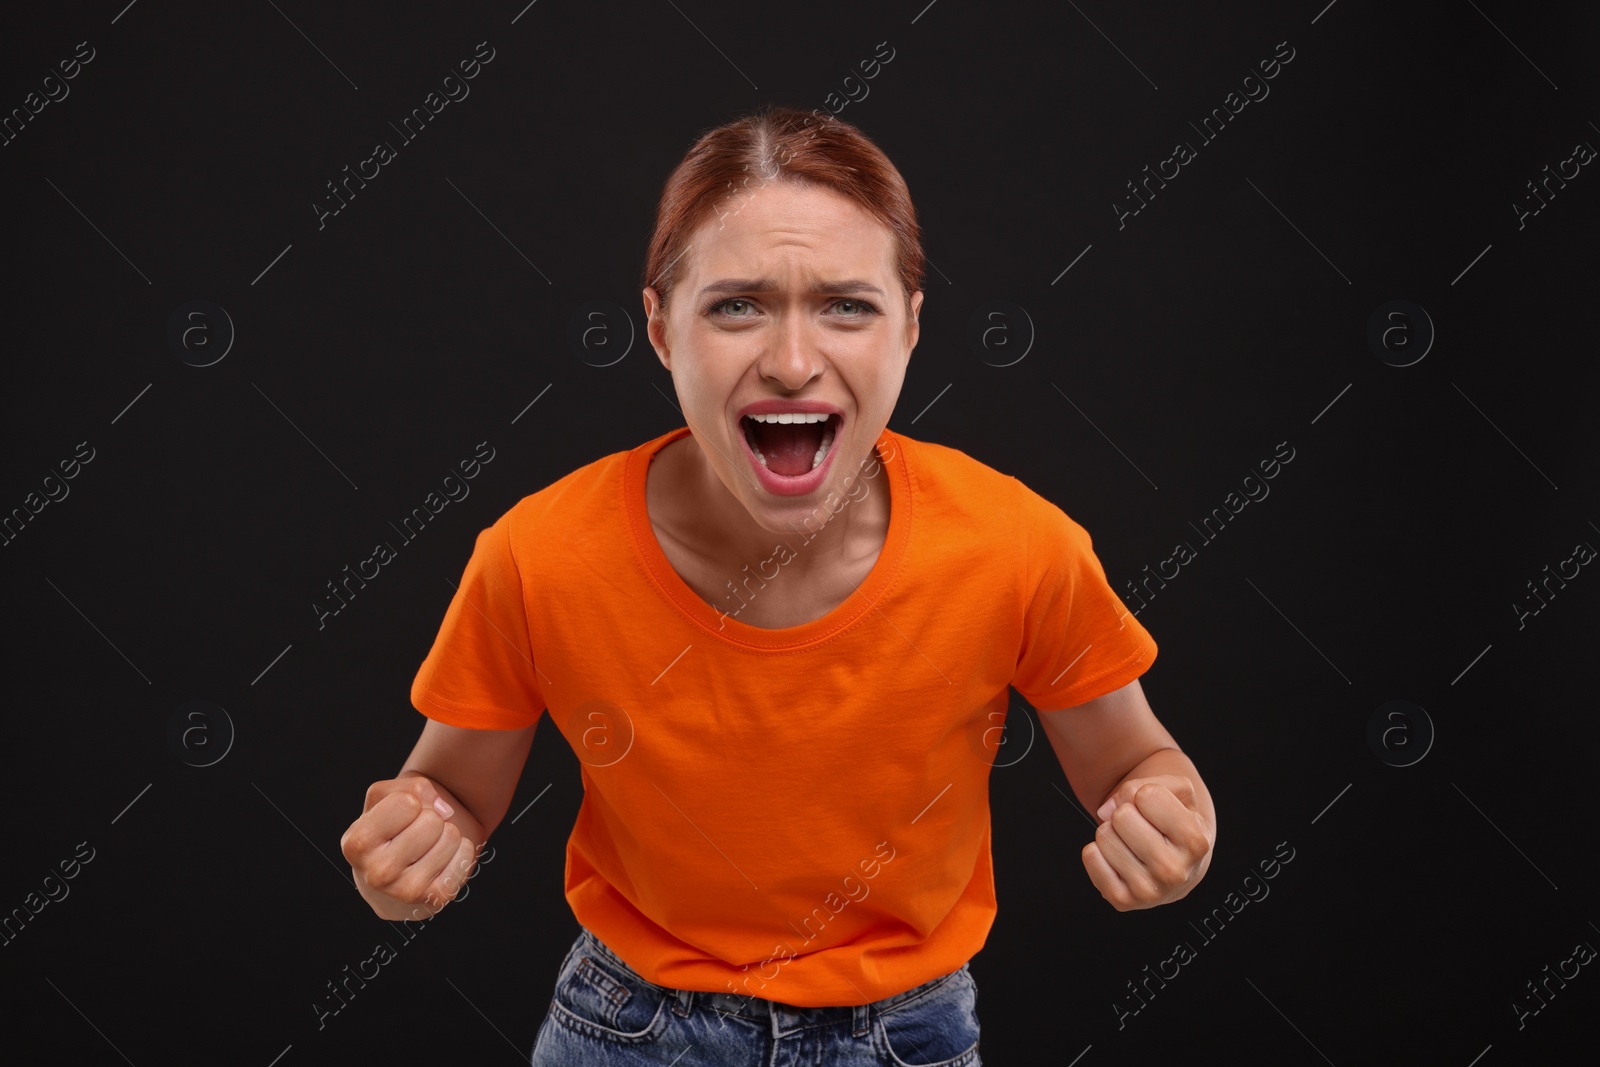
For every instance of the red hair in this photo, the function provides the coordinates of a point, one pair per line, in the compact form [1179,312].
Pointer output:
[780,144]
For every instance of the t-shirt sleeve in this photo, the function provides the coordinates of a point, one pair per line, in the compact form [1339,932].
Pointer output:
[1079,641]
[480,672]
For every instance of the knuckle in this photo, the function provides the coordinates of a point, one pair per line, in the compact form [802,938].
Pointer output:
[382,873]
[409,887]
[1170,873]
[356,842]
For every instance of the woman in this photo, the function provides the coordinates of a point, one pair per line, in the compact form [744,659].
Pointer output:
[780,640]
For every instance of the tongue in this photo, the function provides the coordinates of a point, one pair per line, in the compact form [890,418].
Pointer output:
[789,447]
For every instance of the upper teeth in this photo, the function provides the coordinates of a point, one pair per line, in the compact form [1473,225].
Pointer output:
[798,416]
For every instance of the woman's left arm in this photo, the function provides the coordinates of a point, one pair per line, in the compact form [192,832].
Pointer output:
[1157,822]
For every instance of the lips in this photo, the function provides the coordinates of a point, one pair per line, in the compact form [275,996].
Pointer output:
[791,407]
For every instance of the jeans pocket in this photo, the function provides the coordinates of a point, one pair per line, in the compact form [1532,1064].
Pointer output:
[599,1000]
[939,1028]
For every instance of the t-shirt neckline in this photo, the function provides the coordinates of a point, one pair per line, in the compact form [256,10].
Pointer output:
[688,603]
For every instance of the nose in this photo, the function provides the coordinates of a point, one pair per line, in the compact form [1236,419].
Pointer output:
[792,357]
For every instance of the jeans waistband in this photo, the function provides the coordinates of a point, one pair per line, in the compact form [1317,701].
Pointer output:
[784,1016]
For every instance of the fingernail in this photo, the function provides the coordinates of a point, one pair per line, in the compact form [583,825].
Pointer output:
[442,808]
[1106,809]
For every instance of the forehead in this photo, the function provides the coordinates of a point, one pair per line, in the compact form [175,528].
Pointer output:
[783,222]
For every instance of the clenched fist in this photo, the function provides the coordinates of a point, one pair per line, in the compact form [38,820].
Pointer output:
[409,860]
[1152,844]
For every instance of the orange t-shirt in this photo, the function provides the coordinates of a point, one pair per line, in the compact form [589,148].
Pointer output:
[798,814]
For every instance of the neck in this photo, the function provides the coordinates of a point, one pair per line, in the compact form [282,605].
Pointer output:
[823,536]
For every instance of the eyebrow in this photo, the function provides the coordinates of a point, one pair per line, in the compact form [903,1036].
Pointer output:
[767,285]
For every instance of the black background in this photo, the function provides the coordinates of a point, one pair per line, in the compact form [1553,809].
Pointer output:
[373,353]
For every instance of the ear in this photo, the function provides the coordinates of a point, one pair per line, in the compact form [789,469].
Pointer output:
[914,327]
[656,326]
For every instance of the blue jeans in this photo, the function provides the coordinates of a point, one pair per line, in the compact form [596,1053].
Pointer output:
[604,1013]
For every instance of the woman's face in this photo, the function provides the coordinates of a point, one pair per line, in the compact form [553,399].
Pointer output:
[790,298]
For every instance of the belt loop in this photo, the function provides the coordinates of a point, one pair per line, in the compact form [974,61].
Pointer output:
[861,1017]
[685,1002]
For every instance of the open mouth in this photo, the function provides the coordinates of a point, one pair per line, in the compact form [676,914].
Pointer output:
[790,445]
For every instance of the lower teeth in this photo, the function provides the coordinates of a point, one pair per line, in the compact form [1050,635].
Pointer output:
[816,460]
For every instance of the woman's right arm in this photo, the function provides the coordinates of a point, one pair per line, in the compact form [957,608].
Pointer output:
[408,857]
